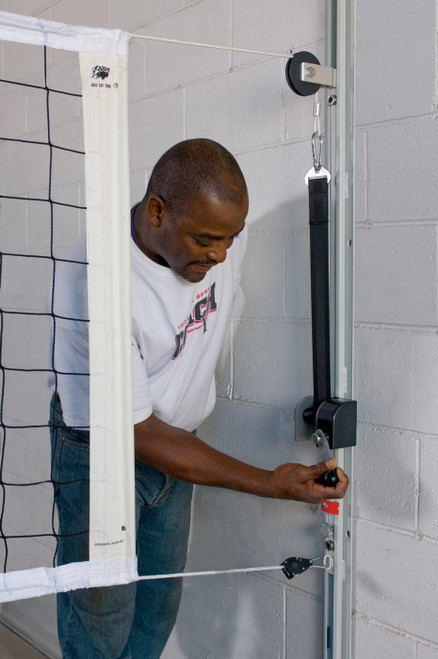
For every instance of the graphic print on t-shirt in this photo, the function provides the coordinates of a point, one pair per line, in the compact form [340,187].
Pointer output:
[205,304]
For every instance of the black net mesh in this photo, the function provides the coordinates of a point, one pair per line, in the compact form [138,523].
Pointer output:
[42,214]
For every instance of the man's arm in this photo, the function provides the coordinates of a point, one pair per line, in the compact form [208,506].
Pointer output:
[182,455]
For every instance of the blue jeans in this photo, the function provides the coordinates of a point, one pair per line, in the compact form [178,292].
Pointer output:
[131,621]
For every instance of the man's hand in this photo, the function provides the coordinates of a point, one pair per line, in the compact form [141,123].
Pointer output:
[297,482]
[182,455]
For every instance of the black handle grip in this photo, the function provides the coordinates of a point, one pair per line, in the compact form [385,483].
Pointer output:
[328,479]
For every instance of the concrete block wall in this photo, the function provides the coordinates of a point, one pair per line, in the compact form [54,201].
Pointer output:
[396,331]
[242,100]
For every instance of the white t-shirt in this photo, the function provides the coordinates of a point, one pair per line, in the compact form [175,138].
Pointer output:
[178,329]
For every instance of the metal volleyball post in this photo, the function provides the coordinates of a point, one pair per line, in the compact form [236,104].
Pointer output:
[329,417]
[340,43]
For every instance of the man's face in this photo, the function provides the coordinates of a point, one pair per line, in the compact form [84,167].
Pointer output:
[193,243]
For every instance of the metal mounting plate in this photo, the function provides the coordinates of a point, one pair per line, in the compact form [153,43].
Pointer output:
[318,74]
[303,431]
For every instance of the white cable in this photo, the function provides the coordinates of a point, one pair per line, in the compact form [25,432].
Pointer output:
[175,575]
[210,45]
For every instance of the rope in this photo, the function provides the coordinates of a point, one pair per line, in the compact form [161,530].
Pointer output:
[210,45]
[207,573]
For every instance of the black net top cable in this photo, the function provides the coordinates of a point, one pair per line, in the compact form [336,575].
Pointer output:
[9,429]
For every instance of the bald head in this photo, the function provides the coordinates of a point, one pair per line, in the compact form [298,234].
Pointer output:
[193,169]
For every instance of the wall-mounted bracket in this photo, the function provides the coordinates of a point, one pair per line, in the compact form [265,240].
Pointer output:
[318,74]
[305,75]
[335,417]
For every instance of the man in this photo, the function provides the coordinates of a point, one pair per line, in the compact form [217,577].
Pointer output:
[188,240]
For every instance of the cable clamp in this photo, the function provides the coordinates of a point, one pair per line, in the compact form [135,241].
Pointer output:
[297,565]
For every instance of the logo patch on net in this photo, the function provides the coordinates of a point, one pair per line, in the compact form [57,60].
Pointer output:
[100,72]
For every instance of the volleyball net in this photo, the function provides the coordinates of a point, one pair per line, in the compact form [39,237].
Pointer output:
[65,179]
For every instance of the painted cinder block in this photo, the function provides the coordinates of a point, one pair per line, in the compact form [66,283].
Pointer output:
[28,554]
[393,370]
[68,171]
[27,169]
[137,13]
[277,191]
[297,279]
[386,477]
[16,6]
[401,161]
[27,341]
[360,176]
[14,226]
[263,275]
[34,391]
[395,72]
[24,283]
[395,583]
[428,523]
[236,615]
[272,362]
[34,6]
[65,76]
[68,226]
[35,621]
[171,65]
[287,24]
[396,275]
[23,62]
[156,124]
[136,70]
[70,135]
[23,510]
[241,109]
[82,12]
[304,626]
[426,651]
[35,106]
[13,111]
[371,640]
[27,455]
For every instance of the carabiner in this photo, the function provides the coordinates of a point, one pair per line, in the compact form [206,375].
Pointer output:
[317,149]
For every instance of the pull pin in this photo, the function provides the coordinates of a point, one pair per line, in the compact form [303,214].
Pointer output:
[329,478]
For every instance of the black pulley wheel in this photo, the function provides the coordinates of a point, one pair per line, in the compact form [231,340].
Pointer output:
[293,71]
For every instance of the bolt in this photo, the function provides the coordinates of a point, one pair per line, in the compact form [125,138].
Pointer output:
[324,506]
[115,85]
[310,72]
[332,100]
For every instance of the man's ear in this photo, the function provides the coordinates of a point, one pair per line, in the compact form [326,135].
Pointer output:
[155,208]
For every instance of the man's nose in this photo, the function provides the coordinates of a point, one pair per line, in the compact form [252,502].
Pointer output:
[218,252]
